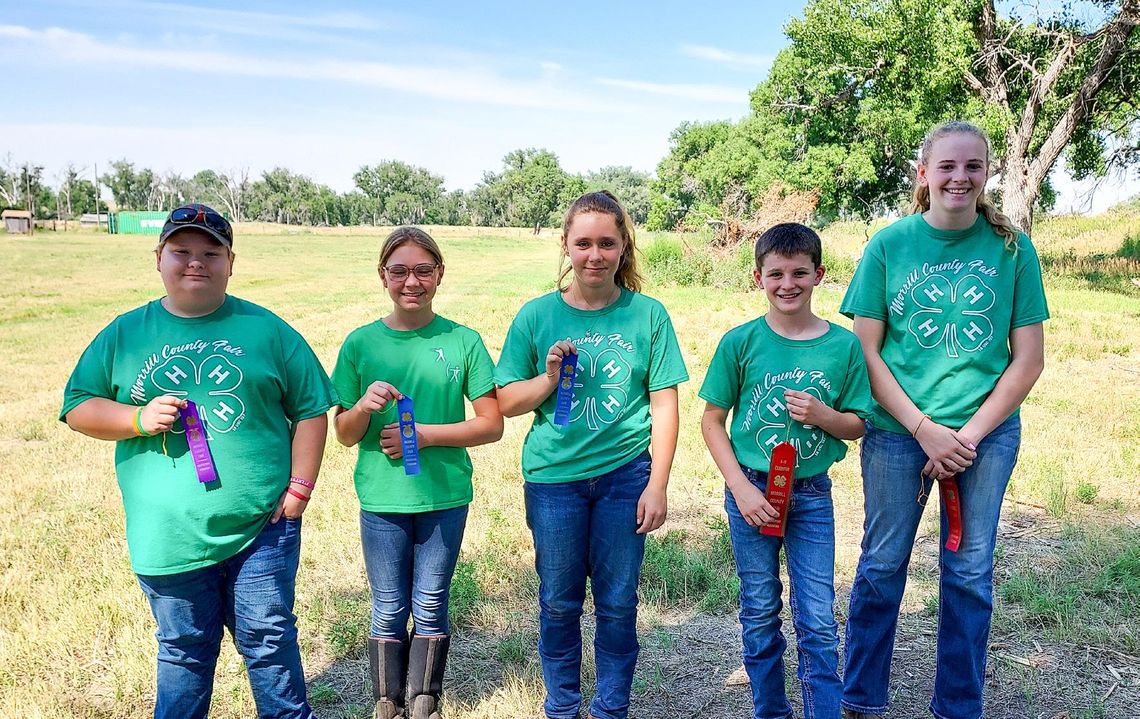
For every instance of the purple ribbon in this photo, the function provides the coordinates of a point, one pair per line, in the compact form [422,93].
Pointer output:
[199,447]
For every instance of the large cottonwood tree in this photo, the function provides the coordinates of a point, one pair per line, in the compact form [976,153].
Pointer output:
[847,102]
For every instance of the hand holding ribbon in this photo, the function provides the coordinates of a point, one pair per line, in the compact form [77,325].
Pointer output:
[160,414]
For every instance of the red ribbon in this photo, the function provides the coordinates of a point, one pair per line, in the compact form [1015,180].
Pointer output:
[781,475]
[951,501]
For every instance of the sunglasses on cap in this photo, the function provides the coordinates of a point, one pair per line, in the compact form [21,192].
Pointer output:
[200,216]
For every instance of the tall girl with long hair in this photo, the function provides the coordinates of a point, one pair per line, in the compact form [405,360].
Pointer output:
[948,304]
[595,487]
[411,525]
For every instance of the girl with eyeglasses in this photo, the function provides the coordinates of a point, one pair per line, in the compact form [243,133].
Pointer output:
[596,486]
[411,525]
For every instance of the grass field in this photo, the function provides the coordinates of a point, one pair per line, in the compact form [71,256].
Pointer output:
[77,639]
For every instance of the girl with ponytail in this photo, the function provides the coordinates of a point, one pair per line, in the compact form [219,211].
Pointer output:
[948,305]
[595,485]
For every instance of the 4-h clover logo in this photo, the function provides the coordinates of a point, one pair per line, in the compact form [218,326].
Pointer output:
[210,384]
[600,387]
[773,416]
[952,314]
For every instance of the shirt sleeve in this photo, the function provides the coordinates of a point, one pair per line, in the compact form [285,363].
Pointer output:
[480,370]
[666,365]
[867,294]
[1029,305]
[91,377]
[519,358]
[346,375]
[722,380]
[308,391]
[856,393]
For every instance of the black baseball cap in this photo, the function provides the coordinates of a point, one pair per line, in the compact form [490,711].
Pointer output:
[198,217]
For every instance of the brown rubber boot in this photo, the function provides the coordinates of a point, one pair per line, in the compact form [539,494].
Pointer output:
[426,661]
[387,667]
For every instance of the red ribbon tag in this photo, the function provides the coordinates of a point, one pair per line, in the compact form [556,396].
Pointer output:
[781,474]
[948,493]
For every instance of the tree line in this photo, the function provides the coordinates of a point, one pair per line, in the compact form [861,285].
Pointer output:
[834,126]
[530,190]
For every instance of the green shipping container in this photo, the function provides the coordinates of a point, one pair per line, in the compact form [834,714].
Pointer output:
[137,223]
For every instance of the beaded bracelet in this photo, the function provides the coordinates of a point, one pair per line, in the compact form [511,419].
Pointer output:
[139,431]
[297,494]
[307,483]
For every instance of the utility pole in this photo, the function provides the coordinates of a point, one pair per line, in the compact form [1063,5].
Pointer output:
[98,222]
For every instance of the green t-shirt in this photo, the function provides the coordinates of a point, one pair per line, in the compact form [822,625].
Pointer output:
[753,367]
[252,376]
[949,299]
[437,366]
[625,351]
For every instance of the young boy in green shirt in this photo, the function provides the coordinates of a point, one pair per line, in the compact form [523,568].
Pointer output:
[786,375]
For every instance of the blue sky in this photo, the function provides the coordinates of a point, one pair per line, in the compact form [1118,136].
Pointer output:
[323,88]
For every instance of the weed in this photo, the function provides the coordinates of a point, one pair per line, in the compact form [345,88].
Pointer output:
[680,571]
[321,693]
[515,648]
[1086,492]
[466,594]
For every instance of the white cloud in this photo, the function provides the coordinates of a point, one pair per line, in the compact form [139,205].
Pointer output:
[703,93]
[727,57]
[462,84]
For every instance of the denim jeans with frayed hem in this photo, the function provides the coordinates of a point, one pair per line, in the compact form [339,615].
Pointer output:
[809,545]
[410,560]
[891,485]
[250,593]
[585,529]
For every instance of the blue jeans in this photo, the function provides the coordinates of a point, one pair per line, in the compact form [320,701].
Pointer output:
[585,529]
[809,545]
[251,594]
[891,484]
[410,559]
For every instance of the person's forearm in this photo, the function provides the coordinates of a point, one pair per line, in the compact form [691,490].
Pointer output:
[309,447]
[525,395]
[842,425]
[103,418]
[720,447]
[349,425]
[663,435]
[1025,367]
[468,433]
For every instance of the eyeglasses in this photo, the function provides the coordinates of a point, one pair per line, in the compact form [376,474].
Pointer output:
[423,271]
[202,215]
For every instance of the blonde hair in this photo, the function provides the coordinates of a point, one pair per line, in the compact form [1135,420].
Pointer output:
[920,202]
[408,235]
[604,202]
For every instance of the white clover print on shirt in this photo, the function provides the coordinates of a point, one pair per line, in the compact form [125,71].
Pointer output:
[601,387]
[952,313]
[211,384]
[772,414]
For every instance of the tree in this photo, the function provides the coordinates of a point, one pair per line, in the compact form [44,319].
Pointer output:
[848,101]
[530,191]
[630,186]
[132,190]
[405,194]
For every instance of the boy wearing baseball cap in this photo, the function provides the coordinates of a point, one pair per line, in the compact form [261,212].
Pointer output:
[217,410]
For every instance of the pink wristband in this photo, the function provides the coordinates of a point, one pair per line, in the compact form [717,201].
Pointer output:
[311,485]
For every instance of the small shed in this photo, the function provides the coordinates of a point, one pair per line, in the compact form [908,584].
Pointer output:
[17,222]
